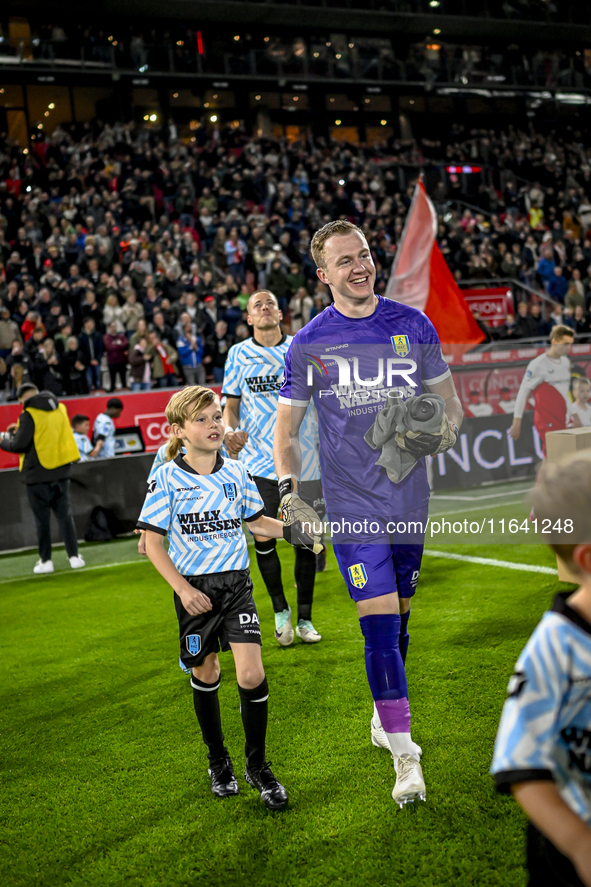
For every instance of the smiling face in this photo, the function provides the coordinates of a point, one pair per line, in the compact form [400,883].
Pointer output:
[348,268]
[205,433]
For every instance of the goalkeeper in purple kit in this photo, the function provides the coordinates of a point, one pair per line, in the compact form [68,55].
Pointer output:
[361,354]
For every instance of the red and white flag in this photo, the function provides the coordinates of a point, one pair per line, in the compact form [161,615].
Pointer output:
[421,278]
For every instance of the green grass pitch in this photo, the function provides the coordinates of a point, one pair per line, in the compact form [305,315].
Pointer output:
[104,775]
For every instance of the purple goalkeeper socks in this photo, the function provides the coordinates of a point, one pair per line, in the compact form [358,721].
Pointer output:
[385,670]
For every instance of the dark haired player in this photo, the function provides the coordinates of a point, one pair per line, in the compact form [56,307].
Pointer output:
[347,359]
[252,379]
[103,432]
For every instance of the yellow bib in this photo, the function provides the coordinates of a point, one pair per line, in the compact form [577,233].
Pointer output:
[53,438]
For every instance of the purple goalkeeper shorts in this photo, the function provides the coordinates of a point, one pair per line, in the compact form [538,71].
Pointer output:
[378,557]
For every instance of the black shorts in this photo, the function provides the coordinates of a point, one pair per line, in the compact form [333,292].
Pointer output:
[233,619]
[547,865]
[310,491]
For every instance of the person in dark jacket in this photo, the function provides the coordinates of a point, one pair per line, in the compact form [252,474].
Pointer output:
[74,368]
[91,345]
[44,440]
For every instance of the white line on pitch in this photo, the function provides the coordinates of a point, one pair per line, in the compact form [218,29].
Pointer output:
[438,496]
[490,562]
[437,514]
[82,569]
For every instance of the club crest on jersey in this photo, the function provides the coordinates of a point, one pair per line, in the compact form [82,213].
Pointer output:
[358,575]
[230,491]
[400,344]
[193,642]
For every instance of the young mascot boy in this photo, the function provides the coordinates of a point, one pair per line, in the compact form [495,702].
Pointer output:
[200,500]
[543,747]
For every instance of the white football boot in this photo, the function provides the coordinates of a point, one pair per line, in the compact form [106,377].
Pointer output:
[283,628]
[306,631]
[43,567]
[77,561]
[410,785]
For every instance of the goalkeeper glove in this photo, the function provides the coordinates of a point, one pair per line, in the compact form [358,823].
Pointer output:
[421,443]
[296,515]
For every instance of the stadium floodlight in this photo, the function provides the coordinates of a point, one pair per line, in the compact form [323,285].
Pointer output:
[214,118]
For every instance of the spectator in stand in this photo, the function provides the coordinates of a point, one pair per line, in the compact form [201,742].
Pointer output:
[557,285]
[31,323]
[9,332]
[91,346]
[525,327]
[582,321]
[242,333]
[546,266]
[151,303]
[35,342]
[568,318]
[235,250]
[163,330]
[131,313]
[91,308]
[190,350]
[47,371]
[116,346]
[73,369]
[507,329]
[62,337]
[216,351]
[140,333]
[140,363]
[278,284]
[542,328]
[575,295]
[113,313]
[164,361]
[556,316]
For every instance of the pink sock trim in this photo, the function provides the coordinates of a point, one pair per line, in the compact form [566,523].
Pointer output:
[394,715]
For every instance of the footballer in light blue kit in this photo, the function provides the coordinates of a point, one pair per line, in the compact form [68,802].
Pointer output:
[347,360]
[253,375]
[80,428]
[103,431]
[199,500]
[543,746]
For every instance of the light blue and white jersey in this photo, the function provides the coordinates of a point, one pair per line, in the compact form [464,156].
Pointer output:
[159,459]
[104,427]
[83,444]
[254,373]
[545,729]
[202,515]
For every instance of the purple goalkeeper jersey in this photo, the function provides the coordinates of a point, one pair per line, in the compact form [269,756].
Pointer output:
[348,365]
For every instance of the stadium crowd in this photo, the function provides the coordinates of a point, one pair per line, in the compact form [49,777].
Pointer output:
[126,249]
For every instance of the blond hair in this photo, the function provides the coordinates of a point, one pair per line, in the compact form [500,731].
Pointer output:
[562,494]
[560,330]
[185,406]
[317,247]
